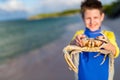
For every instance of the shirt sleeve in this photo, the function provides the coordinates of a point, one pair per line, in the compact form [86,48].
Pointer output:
[77,33]
[112,39]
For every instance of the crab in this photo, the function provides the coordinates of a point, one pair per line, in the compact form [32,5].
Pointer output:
[89,45]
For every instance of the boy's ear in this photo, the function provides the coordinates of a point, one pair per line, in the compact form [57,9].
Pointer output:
[102,16]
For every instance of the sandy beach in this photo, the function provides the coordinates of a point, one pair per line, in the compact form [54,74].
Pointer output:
[47,63]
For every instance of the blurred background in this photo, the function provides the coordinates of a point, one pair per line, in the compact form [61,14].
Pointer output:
[34,32]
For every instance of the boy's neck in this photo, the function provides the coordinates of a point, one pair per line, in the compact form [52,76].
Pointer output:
[88,30]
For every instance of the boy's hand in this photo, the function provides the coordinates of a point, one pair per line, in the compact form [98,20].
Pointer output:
[78,40]
[110,47]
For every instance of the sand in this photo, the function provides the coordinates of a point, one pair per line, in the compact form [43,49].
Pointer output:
[47,63]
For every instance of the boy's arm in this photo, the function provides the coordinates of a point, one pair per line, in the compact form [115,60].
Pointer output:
[110,36]
[112,40]
[73,42]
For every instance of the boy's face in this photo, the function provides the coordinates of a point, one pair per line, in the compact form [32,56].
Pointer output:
[93,19]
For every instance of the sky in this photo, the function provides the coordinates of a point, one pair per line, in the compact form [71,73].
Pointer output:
[12,9]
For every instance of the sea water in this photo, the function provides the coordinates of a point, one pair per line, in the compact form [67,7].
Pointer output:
[20,36]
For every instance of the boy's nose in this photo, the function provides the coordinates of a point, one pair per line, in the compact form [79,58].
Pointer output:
[91,21]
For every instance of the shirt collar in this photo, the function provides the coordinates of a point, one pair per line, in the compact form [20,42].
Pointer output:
[90,33]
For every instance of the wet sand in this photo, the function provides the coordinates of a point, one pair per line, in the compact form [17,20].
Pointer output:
[46,63]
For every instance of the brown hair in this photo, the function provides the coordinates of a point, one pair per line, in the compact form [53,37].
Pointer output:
[91,4]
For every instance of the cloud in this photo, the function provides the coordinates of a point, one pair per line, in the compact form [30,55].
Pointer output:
[68,2]
[51,3]
[12,5]
[39,5]
[12,9]
[58,5]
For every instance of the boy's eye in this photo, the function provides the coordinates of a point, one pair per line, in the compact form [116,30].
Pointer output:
[87,18]
[96,17]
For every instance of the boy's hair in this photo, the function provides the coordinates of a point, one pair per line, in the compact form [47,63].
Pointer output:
[91,4]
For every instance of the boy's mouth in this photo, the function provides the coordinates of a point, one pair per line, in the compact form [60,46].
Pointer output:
[92,25]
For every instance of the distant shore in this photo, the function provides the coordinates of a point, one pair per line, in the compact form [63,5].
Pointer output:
[112,11]
[52,15]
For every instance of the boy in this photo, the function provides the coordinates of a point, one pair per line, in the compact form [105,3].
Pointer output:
[89,68]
